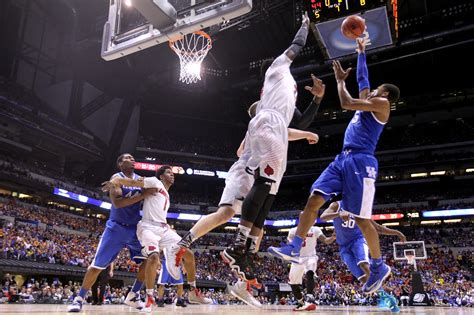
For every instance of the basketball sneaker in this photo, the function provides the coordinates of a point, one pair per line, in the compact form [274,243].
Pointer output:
[238,262]
[303,306]
[378,274]
[170,260]
[181,303]
[390,302]
[195,297]
[241,290]
[76,305]
[133,300]
[147,308]
[286,252]
[160,303]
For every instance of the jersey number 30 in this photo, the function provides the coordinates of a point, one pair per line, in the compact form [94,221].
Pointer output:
[349,224]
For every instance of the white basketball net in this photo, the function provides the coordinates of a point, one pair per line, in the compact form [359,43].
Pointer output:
[410,259]
[191,50]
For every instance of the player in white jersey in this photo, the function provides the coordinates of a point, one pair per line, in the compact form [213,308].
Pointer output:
[268,144]
[239,181]
[308,265]
[155,234]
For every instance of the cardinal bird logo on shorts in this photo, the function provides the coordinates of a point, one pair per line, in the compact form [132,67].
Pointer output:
[269,170]
[150,248]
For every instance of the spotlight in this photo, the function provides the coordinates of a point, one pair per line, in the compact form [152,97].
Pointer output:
[128,3]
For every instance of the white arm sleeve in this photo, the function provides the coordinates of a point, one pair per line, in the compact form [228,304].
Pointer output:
[151,182]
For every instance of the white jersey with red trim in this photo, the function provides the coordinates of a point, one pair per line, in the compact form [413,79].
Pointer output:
[155,207]
[311,240]
[279,89]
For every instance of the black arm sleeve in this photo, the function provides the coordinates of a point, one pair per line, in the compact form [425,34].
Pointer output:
[300,40]
[302,121]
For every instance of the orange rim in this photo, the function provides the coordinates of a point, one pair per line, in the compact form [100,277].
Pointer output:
[202,33]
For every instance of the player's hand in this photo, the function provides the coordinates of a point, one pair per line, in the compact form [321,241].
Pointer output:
[340,73]
[305,20]
[318,87]
[111,184]
[361,43]
[344,215]
[402,237]
[111,273]
[312,138]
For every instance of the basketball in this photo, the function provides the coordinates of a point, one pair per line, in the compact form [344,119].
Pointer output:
[353,26]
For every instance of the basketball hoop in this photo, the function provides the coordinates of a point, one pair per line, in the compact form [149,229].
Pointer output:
[191,49]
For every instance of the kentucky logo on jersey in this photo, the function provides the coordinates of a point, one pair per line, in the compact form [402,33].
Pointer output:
[371,172]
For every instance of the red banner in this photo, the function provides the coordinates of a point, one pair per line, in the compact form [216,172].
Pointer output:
[154,167]
[390,216]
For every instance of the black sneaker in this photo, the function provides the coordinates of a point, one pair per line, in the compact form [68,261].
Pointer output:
[239,262]
[180,302]
[160,303]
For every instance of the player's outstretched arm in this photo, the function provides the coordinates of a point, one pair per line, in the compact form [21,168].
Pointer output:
[303,120]
[383,230]
[375,105]
[300,39]
[295,134]
[330,213]
[362,71]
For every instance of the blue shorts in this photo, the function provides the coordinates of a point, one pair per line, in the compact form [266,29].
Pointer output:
[353,175]
[353,254]
[165,278]
[113,240]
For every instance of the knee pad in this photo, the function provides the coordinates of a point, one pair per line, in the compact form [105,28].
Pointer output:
[255,199]
[262,215]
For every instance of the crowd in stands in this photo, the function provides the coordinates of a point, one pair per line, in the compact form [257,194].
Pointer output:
[446,278]
[9,166]
[447,283]
[50,216]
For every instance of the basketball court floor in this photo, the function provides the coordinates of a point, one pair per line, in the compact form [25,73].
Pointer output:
[38,309]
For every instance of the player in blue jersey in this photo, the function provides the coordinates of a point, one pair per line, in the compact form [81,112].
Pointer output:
[120,231]
[354,171]
[353,246]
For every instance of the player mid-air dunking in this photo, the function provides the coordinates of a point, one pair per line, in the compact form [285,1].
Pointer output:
[354,171]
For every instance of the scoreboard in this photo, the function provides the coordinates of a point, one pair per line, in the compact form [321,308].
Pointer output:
[381,18]
[323,10]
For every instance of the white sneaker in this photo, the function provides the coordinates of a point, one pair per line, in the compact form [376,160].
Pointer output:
[195,297]
[76,305]
[170,260]
[241,291]
[133,300]
[305,307]
[147,308]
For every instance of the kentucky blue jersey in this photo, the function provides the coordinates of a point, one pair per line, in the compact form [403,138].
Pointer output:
[363,132]
[346,232]
[129,214]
